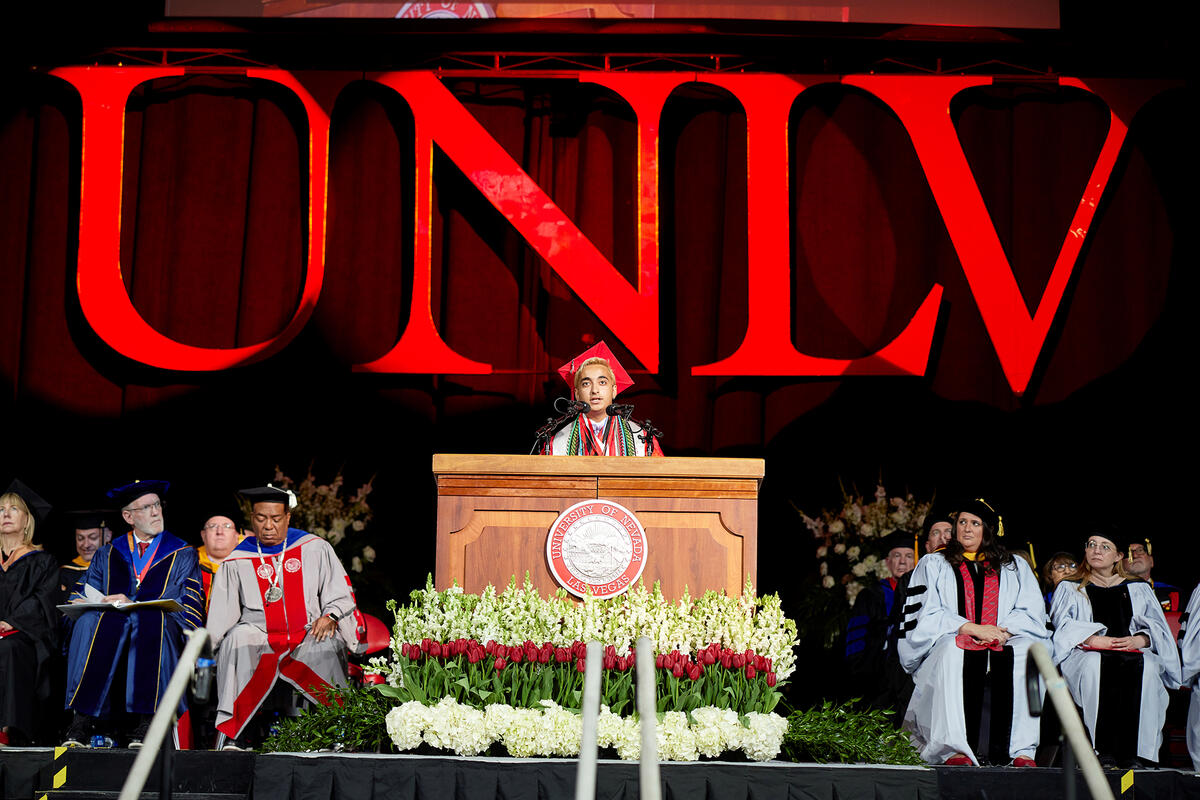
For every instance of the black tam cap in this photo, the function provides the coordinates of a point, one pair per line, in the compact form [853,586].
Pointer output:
[125,495]
[896,539]
[86,519]
[37,506]
[270,494]
[938,512]
[985,511]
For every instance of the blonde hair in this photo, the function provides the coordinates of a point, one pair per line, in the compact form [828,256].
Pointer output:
[592,362]
[19,502]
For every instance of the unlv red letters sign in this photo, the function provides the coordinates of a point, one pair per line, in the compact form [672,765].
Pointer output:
[631,312]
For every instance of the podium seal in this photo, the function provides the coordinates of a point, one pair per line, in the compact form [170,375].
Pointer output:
[598,545]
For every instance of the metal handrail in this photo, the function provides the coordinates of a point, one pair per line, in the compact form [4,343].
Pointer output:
[1072,725]
[161,724]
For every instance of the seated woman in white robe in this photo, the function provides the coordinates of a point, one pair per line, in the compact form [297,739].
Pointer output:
[1189,632]
[973,611]
[1115,650]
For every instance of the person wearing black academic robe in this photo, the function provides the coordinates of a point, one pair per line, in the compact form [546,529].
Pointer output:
[28,589]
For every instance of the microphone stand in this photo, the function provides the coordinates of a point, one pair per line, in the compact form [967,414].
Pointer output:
[648,433]
[544,433]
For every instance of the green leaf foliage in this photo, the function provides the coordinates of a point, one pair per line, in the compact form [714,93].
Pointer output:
[846,734]
[353,722]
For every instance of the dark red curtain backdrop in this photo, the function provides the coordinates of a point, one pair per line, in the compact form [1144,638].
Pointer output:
[213,252]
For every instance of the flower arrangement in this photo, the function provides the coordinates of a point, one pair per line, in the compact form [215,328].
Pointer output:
[850,556]
[848,548]
[524,675]
[520,614]
[551,730]
[720,665]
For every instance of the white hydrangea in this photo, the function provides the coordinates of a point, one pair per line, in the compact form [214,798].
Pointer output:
[763,736]
[406,723]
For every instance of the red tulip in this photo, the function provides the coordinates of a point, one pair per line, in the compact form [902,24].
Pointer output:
[695,672]
[515,654]
[500,664]
[771,680]
[660,661]
[750,672]
[677,671]
[581,665]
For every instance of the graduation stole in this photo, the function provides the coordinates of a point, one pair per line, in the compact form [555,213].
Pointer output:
[616,440]
[991,605]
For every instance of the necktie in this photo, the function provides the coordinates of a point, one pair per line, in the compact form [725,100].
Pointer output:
[142,548]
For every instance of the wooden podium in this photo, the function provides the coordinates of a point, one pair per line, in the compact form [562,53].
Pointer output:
[495,511]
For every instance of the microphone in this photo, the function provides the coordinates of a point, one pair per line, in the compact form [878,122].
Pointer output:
[619,410]
[572,406]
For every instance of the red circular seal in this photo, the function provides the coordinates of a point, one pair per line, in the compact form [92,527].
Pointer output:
[598,545]
[446,11]
[265,571]
[292,565]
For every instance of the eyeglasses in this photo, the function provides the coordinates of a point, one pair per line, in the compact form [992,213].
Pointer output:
[1103,547]
[1067,567]
[218,526]
[157,504]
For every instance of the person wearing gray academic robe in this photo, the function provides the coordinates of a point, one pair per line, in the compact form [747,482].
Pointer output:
[1085,671]
[937,715]
[259,640]
[1190,647]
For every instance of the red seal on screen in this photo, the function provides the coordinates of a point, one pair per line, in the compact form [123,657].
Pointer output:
[292,565]
[598,545]
[446,11]
[265,571]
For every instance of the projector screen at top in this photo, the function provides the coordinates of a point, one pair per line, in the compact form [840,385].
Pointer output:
[1042,14]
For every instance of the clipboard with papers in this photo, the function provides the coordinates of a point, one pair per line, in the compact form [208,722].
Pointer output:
[95,602]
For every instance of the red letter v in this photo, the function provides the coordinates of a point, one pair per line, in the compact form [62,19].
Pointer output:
[923,105]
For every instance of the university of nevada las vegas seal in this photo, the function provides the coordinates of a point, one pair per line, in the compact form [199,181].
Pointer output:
[598,545]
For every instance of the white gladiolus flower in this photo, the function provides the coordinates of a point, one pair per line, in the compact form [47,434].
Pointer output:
[839,548]
[827,582]
[822,551]
[853,552]
[837,526]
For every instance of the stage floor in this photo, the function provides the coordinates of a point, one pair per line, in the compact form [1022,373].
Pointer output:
[34,773]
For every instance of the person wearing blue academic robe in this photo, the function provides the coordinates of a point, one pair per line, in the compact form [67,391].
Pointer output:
[143,645]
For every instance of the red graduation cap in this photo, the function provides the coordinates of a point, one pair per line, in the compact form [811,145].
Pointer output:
[598,350]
